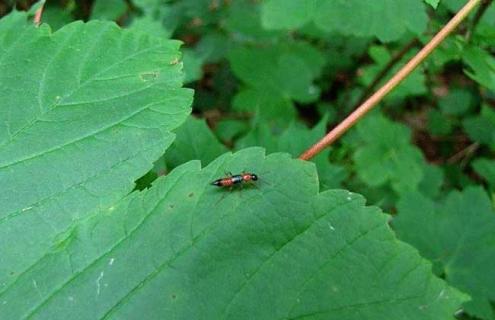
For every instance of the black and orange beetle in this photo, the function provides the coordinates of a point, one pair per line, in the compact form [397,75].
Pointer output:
[232,180]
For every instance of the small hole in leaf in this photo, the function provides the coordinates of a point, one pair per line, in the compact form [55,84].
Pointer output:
[149,76]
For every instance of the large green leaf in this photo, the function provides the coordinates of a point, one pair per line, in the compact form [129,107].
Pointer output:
[459,237]
[185,249]
[84,112]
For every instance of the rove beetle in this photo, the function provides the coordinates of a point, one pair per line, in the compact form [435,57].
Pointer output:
[232,180]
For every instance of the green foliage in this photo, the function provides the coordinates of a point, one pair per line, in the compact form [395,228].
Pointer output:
[486,169]
[349,17]
[414,85]
[190,142]
[457,102]
[482,66]
[288,71]
[433,3]
[384,155]
[481,128]
[458,235]
[108,9]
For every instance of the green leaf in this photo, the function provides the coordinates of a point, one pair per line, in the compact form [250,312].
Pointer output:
[213,47]
[192,66]
[150,26]
[482,66]
[388,20]
[287,14]
[244,21]
[458,235]
[189,250]
[228,130]
[453,5]
[486,169]
[386,155]
[432,181]
[84,112]
[194,141]
[56,16]
[481,128]
[108,9]
[413,85]
[265,106]
[456,102]
[433,3]
[438,123]
[283,70]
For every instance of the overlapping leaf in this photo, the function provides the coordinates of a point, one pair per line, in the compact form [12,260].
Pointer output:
[84,112]
[188,250]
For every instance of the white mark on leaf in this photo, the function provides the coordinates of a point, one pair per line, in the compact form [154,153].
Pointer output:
[149,76]
[112,260]
[98,285]
[26,209]
[70,298]
[442,294]
[312,89]
[35,285]
[331,227]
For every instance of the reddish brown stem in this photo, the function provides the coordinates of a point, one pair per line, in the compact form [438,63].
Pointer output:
[393,61]
[372,101]
[38,14]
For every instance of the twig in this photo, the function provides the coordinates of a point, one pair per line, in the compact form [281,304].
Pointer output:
[38,14]
[385,70]
[464,153]
[372,101]
[477,17]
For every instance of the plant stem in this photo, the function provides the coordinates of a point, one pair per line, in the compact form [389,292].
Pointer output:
[396,58]
[372,101]
[464,154]
[38,14]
